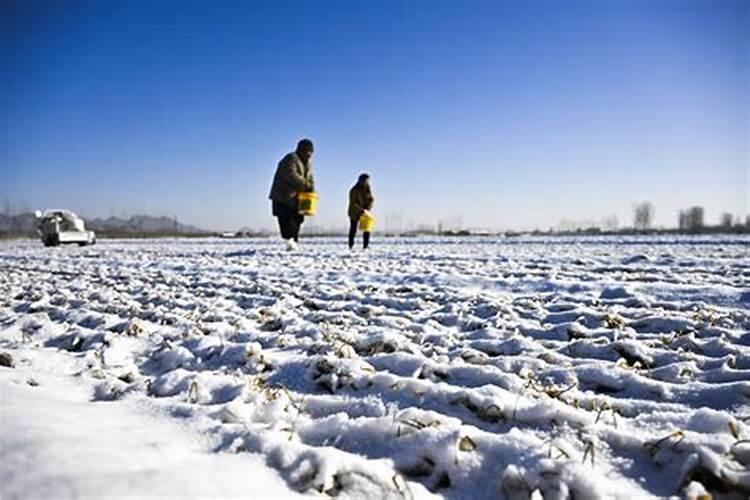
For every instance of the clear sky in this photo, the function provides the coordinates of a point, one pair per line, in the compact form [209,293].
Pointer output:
[497,114]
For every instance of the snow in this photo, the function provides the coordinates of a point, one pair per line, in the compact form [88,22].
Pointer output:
[56,443]
[602,367]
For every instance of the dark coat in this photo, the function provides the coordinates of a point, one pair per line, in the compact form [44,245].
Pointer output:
[292,176]
[360,199]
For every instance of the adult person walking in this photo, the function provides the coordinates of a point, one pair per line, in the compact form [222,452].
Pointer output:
[293,175]
[360,202]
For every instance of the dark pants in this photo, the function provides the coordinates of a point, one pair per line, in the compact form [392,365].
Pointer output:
[289,220]
[353,231]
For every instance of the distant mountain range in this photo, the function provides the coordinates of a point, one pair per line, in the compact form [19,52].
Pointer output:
[18,224]
[142,224]
[26,224]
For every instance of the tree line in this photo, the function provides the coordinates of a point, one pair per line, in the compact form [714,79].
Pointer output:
[690,220]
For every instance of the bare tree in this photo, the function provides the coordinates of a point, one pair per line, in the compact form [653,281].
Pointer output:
[610,223]
[726,220]
[691,219]
[643,215]
[566,225]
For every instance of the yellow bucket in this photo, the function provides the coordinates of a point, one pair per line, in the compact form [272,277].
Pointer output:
[307,203]
[366,223]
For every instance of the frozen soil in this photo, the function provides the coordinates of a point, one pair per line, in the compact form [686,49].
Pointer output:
[462,368]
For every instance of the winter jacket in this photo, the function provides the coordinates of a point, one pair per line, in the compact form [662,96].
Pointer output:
[360,199]
[292,176]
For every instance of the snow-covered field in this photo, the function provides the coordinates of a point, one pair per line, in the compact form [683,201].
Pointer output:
[468,368]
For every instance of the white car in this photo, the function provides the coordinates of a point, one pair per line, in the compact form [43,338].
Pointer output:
[62,226]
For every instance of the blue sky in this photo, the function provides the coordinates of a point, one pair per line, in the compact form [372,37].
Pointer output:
[502,115]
